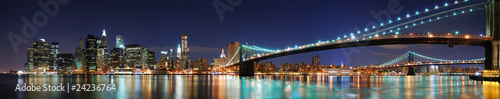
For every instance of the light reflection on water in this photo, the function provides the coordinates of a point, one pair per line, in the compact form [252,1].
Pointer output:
[260,86]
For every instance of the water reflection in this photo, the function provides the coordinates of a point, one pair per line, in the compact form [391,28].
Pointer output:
[260,86]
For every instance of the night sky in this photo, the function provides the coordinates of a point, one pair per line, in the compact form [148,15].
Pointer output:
[275,24]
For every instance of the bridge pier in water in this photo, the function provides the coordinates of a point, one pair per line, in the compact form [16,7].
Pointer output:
[246,67]
[492,50]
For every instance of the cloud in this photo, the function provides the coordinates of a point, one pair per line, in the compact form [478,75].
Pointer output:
[399,46]
[193,49]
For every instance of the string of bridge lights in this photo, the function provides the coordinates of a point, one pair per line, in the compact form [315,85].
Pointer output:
[408,15]
[256,48]
[426,57]
[396,59]
[425,19]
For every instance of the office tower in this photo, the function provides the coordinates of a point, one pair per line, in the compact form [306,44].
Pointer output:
[28,67]
[232,49]
[201,64]
[315,62]
[144,57]
[152,60]
[64,62]
[79,58]
[184,52]
[164,58]
[133,56]
[101,63]
[120,43]
[54,51]
[41,55]
[170,64]
[221,60]
[117,58]
[177,65]
[105,52]
[91,45]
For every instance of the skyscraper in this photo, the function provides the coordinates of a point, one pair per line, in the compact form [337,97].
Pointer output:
[220,61]
[184,52]
[170,64]
[232,48]
[179,51]
[79,58]
[101,61]
[152,60]
[133,56]
[164,59]
[105,52]
[64,62]
[315,62]
[41,55]
[120,43]
[28,67]
[117,58]
[91,46]
[54,51]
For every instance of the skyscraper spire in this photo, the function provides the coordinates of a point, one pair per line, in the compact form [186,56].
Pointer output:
[103,32]
[222,55]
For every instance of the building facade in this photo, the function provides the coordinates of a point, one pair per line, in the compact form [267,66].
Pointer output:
[232,48]
[91,45]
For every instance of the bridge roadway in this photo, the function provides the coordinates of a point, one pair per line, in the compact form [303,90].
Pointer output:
[410,38]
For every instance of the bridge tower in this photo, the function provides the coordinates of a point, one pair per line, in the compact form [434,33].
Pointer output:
[410,60]
[410,57]
[492,50]
[246,67]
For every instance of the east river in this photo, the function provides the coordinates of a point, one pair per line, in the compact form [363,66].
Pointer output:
[259,86]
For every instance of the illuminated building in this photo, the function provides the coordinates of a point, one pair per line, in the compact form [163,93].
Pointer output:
[220,61]
[120,43]
[184,52]
[104,39]
[117,58]
[315,62]
[177,65]
[104,46]
[28,66]
[54,51]
[232,48]
[167,60]
[101,63]
[286,67]
[152,60]
[64,62]
[40,56]
[133,57]
[79,57]
[179,50]
[91,46]
[201,64]
[164,59]
[170,63]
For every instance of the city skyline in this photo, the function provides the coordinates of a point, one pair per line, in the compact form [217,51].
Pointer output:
[198,39]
